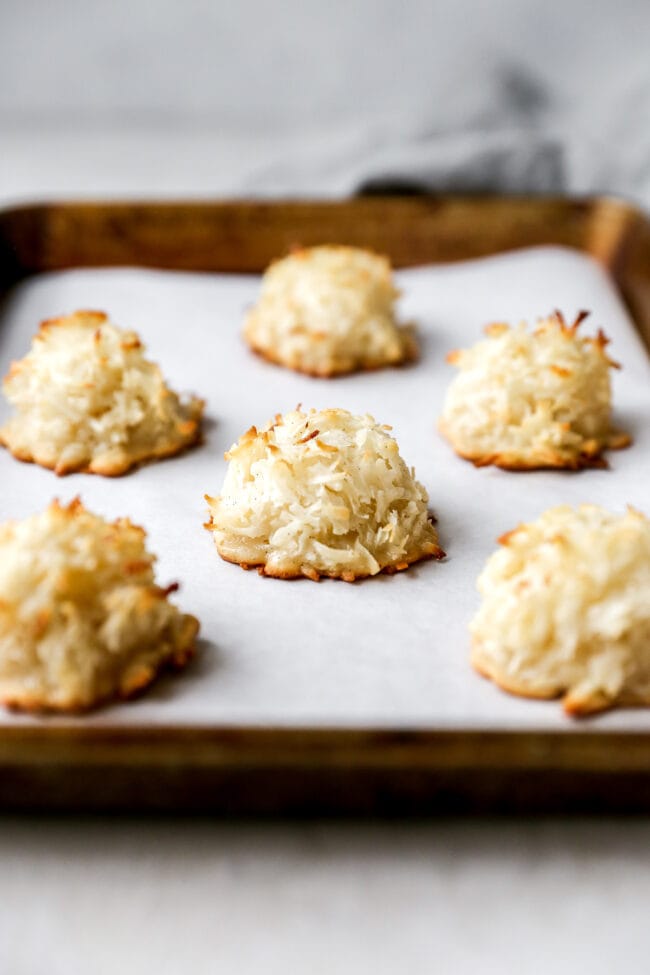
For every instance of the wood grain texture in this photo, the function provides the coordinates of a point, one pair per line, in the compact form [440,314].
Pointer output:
[74,766]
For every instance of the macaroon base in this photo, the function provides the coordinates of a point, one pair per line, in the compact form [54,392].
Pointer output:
[119,462]
[330,370]
[346,575]
[133,683]
[575,703]
[590,455]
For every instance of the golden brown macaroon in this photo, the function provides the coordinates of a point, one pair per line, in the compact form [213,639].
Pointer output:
[565,610]
[86,399]
[329,310]
[525,400]
[322,493]
[81,618]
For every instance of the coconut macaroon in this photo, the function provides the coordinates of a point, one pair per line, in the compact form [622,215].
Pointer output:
[81,618]
[87,399]
[533,399]
[565,610]
[329,310]
[322,493]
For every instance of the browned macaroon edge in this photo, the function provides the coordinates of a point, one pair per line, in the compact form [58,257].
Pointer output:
[410,354]
[177,660]
[583,460]
[574,705]
[315,575]
[193,438]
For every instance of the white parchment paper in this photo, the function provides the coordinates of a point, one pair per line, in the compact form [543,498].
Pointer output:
[390,651]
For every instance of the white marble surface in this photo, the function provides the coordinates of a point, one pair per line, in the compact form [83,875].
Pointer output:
[147,99]
[162,897]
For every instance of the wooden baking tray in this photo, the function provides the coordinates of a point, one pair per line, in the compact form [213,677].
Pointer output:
[381,770]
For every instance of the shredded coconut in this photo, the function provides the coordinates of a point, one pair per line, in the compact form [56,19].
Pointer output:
[87,399]
[565,609]
[321,493]
[532,399]
[328,310]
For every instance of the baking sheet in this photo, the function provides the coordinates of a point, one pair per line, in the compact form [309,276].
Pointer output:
[389,651]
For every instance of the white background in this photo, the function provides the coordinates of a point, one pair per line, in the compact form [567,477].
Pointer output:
[133,97]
